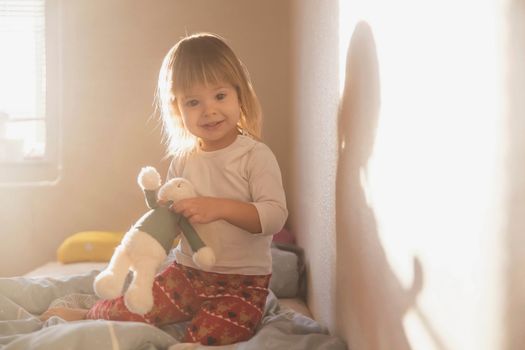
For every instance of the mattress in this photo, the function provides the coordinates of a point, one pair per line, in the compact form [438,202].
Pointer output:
[57,269]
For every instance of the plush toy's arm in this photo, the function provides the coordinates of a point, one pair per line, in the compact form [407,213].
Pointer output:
[151,198]
[191,235]
[149,181]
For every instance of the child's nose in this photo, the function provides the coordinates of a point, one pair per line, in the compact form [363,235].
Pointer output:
[210,109]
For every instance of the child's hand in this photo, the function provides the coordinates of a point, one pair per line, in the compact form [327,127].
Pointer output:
[203,210]
[200,210]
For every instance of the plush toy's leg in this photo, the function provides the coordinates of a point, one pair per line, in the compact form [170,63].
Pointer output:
[108,284]
[139,296]
[204,258]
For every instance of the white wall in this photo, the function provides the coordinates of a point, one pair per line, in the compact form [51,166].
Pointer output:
[515,167]
[111,52]
[314,148]
[412,187]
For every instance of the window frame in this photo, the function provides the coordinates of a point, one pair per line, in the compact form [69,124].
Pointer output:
[44,171]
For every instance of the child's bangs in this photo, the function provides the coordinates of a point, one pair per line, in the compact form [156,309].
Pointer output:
[200,72]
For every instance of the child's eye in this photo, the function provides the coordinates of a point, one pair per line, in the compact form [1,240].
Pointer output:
[192,103]
[221,96]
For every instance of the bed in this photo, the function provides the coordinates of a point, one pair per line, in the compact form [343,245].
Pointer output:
[287,322]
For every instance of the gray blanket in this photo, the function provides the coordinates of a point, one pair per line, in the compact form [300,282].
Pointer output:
[23,299]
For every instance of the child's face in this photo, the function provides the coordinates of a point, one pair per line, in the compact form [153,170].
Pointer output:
[211,112]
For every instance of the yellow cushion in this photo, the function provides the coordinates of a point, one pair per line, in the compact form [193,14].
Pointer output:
[89,246]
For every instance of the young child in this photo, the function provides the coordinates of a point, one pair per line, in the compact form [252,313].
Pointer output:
[213,118]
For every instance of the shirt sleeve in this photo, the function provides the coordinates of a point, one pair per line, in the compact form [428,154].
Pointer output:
[266,188]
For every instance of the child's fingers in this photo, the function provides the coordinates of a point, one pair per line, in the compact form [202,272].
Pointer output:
[185,209]
[200,219]
[184,212]
[194,219]
[179,207]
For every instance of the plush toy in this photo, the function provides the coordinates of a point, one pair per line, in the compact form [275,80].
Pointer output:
[145,246]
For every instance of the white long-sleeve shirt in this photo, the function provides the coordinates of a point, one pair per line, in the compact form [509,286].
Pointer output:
[248,171]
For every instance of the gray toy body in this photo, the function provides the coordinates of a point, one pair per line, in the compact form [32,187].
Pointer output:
[161,223]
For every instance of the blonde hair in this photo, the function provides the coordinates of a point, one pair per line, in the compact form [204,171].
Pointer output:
[202,58]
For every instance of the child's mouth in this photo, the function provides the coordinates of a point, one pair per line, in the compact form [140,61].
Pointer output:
[212,125]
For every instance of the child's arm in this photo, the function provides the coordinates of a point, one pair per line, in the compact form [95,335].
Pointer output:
[202,210]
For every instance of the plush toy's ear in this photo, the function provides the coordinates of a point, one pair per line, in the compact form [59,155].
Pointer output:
[149,178]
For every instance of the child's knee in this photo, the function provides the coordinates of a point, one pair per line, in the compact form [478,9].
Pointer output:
[209,329]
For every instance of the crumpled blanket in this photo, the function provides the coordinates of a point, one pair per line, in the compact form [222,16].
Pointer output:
[23,299]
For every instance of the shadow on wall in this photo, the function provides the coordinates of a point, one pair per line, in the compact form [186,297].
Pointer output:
[371,300]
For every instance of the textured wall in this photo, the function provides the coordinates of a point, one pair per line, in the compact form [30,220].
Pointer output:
[399,195]
[111,52]
[314,148]
[515,167]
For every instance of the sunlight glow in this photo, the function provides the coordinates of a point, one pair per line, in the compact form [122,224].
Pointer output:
[22,82]
[433,179]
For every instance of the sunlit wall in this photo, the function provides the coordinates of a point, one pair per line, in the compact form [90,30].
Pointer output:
[434,180]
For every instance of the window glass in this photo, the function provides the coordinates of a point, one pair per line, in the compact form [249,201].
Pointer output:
[23,80]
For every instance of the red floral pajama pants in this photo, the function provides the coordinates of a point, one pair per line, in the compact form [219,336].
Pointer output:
[223,308]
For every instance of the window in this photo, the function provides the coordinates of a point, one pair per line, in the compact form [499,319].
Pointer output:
[28,117]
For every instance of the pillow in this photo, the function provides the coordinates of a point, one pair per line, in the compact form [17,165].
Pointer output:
[93,246]
[284,236]
[287,273]
[89,246]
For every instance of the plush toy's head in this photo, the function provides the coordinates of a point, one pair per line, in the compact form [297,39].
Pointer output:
[176,189]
